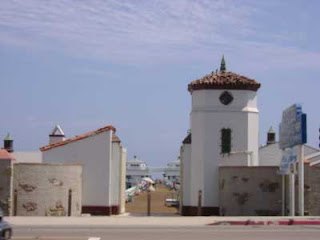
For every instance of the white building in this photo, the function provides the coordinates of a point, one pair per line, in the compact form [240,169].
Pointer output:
[172,171]
[271,153]
[224,132]
[103,159]
[136,170]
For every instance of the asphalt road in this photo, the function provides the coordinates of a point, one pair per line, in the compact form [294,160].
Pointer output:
[193,233]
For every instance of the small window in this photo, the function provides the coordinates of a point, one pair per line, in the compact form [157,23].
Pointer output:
[226,98]
[225,140]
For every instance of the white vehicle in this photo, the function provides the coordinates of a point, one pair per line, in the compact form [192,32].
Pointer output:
[5,229]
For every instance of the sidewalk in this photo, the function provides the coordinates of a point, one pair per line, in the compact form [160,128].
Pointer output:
[156,221]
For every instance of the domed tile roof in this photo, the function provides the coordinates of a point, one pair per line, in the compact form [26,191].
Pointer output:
[224,80]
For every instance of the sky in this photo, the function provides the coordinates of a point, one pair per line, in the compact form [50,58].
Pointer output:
[86,64]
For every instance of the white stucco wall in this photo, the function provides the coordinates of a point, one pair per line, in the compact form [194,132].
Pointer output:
[270,155]
[208,117]
[28,156]
[115,173]
[186,174]
[123,180]
[94,153]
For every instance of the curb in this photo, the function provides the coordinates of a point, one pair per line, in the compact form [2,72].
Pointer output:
[288,222]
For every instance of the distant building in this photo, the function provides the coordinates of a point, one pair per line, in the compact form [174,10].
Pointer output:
[271,153]
[103,159]
[136,171]
[172,171]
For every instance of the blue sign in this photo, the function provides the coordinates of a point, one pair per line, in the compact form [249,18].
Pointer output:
[293,128]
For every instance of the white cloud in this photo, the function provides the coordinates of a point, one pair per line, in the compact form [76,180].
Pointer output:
[108,26]
[139,31]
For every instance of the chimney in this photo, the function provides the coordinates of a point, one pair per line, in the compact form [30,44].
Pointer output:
[57,135]
[271,136]
[8,143]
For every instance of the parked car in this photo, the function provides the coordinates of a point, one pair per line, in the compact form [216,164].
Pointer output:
[5,229]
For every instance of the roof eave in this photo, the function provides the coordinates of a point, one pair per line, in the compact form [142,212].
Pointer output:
[253,87]
[78,138]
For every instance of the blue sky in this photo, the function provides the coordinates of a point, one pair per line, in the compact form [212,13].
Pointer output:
[86,64]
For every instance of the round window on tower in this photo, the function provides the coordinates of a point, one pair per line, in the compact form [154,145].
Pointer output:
[226,98]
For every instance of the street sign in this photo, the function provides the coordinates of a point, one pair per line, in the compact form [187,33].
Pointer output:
[293,128]
[293,132]
[288,162]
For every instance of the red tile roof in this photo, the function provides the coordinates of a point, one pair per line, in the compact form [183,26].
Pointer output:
[224,80]
[83,136]
[115,138]
[4,154]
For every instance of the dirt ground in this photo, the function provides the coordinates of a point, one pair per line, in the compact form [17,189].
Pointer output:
[139,206]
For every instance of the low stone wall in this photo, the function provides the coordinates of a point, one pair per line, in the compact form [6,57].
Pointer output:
[250,191]
[311,190]
[47,189]
[5,185]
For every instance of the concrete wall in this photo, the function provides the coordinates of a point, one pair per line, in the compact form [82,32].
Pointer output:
[43,189]
[5,186]
[250,191]
[208,117]
[256,191]
[311,190]
[95,154]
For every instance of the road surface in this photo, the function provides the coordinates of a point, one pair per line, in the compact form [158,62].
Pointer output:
[172,233]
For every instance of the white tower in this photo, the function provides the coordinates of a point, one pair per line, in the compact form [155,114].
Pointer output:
[224,130]
[57,135]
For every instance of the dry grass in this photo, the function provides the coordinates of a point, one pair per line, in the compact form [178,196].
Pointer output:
[157,202]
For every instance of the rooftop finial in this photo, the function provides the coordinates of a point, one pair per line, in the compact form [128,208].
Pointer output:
[223,65]
[8,137]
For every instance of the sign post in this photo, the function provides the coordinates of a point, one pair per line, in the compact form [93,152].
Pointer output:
[301,180]
[293,132]
[288,167]
[291,195]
